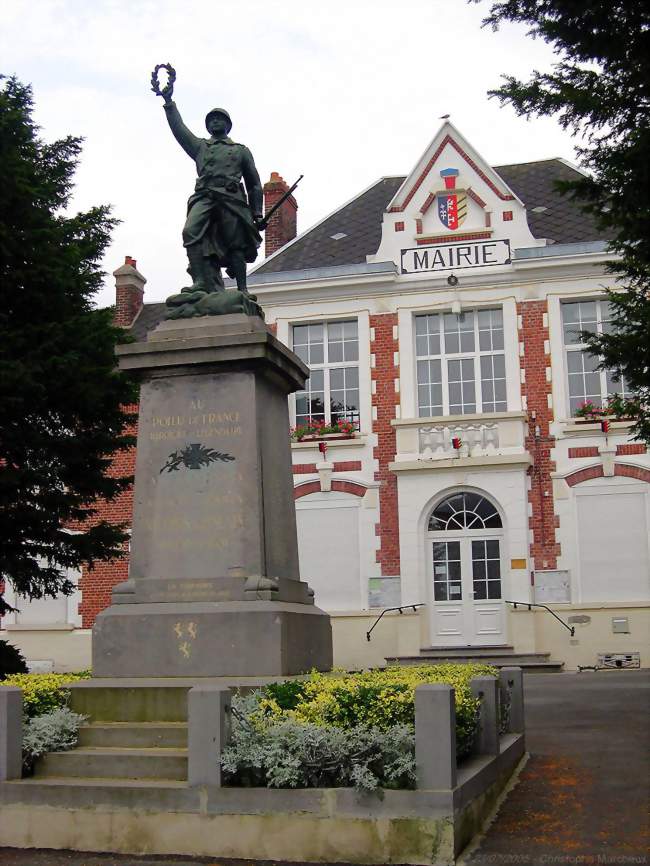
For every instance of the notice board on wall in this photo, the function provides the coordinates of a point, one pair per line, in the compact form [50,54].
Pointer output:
[552,587]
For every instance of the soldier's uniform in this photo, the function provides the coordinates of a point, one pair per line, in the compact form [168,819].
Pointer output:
[220,214]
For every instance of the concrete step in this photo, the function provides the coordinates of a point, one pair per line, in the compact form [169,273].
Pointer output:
[107,763]
[533,662]
[134,735]
[487,649]
[129,704]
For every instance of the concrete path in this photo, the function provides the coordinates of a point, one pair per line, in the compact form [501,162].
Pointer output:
[582,798]
[584,795]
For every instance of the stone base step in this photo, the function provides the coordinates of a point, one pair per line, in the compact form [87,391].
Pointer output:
[134,735]
[486,649]
[114,763]
[529,662]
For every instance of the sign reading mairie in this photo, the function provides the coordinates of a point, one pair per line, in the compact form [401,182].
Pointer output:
[448,257]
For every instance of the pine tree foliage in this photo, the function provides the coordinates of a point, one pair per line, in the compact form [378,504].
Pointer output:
[599,89]
[62,398]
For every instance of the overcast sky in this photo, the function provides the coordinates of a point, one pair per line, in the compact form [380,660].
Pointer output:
[343,92]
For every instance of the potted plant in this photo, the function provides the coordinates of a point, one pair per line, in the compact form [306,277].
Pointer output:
[313,429]
[616,408]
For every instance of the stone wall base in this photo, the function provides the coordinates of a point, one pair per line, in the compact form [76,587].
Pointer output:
[315,825]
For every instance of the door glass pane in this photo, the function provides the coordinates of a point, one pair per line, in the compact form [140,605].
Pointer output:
[486,569]
[446,571]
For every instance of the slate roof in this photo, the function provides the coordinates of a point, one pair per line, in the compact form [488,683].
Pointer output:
[563,222]
[360,220]
[150,316]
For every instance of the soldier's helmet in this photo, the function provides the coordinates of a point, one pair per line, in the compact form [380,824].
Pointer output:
[223,113]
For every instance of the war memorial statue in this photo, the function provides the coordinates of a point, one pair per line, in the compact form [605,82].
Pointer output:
[224,214]
[214,586]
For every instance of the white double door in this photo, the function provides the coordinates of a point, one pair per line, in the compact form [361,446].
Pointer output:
[466,588]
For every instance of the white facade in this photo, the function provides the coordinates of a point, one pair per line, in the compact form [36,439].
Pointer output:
[595,568]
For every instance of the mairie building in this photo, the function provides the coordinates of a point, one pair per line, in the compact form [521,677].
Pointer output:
[441,314]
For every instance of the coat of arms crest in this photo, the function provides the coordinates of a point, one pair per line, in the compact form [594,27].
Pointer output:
[452,203]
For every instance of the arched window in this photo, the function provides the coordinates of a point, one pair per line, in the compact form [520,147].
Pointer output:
[464,511]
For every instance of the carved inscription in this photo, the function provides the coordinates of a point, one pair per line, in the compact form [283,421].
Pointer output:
[192,514]
[200,424]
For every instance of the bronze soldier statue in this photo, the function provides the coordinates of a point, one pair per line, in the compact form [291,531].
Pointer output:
[222,229]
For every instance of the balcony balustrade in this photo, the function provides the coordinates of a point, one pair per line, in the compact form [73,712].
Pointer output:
[482,437]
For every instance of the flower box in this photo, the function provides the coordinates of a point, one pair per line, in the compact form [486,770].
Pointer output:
[318,437]
[312,431]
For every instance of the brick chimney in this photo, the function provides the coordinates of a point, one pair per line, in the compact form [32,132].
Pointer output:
[129,292]
[282,227]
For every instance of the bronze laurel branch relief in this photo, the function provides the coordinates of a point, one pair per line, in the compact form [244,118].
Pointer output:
[194,456]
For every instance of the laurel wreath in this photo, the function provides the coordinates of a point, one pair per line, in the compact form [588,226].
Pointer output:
[171,78]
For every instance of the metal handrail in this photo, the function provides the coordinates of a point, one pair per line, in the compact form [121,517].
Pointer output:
[532,604]
[401,608]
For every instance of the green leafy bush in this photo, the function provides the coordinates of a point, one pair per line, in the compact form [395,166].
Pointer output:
[290,754]
[43,693]
[378,698]
[11,660]
[340,729]
[56,731]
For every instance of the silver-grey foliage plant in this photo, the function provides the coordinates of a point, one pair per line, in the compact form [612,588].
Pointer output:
[52,732]
[290,754]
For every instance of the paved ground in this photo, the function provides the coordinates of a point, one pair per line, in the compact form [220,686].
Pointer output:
[583,797]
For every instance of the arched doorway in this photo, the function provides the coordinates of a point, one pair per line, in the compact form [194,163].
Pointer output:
[465,557]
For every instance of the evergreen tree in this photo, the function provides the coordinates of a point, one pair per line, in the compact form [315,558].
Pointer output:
[599,89]
[61,396]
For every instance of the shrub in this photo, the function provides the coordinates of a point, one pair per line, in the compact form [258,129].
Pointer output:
[286,753]
[43,693]
[378,699]
[56,731]
[342,729]
[11,660]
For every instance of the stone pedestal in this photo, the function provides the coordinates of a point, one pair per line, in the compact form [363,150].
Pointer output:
[214,587]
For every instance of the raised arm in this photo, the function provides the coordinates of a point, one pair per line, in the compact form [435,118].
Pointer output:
[187,140]
[253,183]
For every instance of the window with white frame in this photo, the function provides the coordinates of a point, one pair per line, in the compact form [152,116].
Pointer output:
[585,381]
[331,351]
[461,366]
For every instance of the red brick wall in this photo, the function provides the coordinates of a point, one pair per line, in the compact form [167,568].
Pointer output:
[591,451]
[343,466]
[340,486]
[384,373]
[129,299]
[543,550]
[96,583]
[631,448]
[282,226]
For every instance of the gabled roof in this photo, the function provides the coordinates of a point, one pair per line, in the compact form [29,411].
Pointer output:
[359,221]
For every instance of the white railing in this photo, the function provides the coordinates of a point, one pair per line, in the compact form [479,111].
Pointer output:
[488,435]
[437,440]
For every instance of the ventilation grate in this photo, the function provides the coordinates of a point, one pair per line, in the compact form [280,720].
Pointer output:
[619,660]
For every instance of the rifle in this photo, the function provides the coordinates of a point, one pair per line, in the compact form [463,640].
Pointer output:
[264,223]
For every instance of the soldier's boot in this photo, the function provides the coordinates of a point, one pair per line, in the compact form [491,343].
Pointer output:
[196,269]
[237,267]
